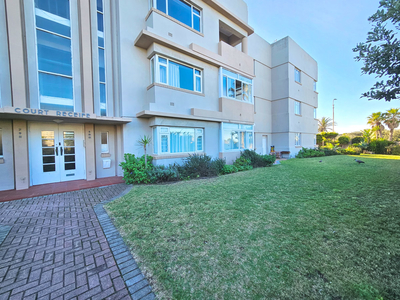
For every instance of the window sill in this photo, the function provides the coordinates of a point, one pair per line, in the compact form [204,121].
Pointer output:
[174,155]
[2,160]
[175,88]
[298,82]
[298,115]
[172,19]
[316,92]
[299,146]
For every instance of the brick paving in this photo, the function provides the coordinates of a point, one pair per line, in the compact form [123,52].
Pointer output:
[54,247]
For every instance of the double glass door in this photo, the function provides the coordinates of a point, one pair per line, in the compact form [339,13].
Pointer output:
[57,152]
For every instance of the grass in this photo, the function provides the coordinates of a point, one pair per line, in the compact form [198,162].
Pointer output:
[301,230]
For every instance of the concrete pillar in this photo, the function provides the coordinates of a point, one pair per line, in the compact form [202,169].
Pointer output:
[90,152]
[119,157]
[21,154]
[16,52]
[86,55]
[245,45]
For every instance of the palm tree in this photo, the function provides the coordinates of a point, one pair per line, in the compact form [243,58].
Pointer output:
[376,121]
[392,120]
[367,135]
[325,124]
[145,141]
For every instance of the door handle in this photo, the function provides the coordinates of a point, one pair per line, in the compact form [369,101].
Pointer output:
[61,151]
[56,151]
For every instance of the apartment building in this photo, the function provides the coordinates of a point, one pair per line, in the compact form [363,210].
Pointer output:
[81,81]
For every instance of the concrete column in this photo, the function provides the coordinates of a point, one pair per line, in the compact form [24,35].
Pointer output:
[90,152]
[16,51]
[119,157]
[86,55]
[21,154]
[245,45]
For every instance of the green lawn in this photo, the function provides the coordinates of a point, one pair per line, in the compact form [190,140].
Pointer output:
[301,230]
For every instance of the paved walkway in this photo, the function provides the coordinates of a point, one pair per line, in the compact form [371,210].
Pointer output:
[56,249]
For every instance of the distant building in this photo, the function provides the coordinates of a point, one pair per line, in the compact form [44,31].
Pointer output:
[82,81]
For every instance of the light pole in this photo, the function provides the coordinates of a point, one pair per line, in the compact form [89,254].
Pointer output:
[333,105]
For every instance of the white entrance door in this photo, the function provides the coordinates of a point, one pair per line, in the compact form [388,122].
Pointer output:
[56,152]
[265,144]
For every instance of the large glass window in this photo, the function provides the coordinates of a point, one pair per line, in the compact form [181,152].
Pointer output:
[180,10]
[297,108]
[297,75]
[102,60]
[178,140]
[175,74]
[297,139]
[54,54]
[237,137]
[236,86]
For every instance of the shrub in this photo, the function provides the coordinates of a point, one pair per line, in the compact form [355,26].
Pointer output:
[243,164]
[344,140]
[229,169]
[163,174]
[351,151]
[135,170]
[330,151]
[393,150]
[196,166]
[257,160]
[218,165]
[309,152]
[379,146]
[357,140]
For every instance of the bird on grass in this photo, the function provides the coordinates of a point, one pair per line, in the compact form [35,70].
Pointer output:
[359,161]
[320,161]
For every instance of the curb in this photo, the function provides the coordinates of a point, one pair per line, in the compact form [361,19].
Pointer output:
[138,286]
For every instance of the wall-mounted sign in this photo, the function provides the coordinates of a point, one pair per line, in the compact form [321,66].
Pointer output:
[56,113]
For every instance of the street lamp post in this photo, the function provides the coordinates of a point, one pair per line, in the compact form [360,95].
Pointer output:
[333,105]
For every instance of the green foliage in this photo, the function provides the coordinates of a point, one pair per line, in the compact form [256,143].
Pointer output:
[357,140]
[218,165]
[309,152]
[163,174]
[351,150]
[329,135]
[330,151]
[393,150]
[144,142]
[379,146]
[135,170]
[243,164]
[344,140]
[229,169]
[319,139]
[325,124]
[257,160]
[196,166]
[380,53]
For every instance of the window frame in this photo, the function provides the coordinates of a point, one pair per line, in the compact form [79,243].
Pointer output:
[32,54]
[240,130]
[153,4]
[297,139]
[315,113]
[108,142]
[295,75]
[229,75]
[156,72]
[158,133]
[297,108]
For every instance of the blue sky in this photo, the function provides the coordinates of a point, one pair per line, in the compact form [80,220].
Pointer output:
[328,31]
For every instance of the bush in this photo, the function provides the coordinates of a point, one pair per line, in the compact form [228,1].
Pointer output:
[196,166]
[229,169]
[163,174]
[257,160]
[135,170]
[351,151]
[379,146]
[218,165]
[329,151]
[243,164]
[393,150]
[309,152]
[357,140]
[344,140]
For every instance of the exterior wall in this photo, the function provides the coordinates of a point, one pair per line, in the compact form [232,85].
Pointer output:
[7,160]
[103,171]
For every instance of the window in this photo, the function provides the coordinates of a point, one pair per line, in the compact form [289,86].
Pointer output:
[175,74]
[172,140]
[1,142]
[315,86]
[297,139]
[315,140]
[315,113]
[236,86]
[297,108]
[237,137]
[104,143]
[101,57]
[181,11]
[54,54]
[297,75]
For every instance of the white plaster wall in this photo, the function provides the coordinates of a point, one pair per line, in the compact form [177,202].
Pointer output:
[303,91]
[238,7]
[7,168]
[100,171]
[305,122]
[280,78]
[260,49]
[280,116]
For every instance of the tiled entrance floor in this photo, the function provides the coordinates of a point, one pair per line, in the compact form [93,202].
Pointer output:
[57,188]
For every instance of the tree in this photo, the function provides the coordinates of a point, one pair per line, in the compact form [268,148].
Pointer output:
[344,140]
[381,52]
[325,124]
[367,135]
[392,120]
[376,122]
[145,141]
